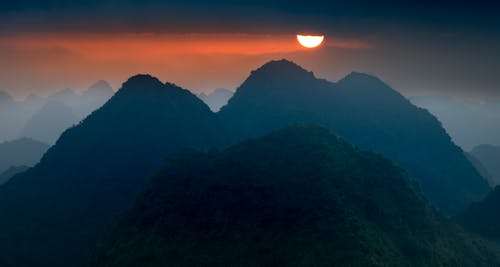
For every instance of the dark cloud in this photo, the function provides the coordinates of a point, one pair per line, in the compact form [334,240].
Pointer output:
[244,16]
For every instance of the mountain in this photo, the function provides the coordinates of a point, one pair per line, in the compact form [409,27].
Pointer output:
[216,99]
[94,97]
[8,126]
[48,123]
[367,113]
[481,169]
[482,217]
[15,115]
[489,156]
[53,214]
[19,152]
[299,196]
[469,122]
[5,98]
[67,96]
[10,172]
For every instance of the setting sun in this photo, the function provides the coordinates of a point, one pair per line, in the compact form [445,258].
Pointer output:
[310,41]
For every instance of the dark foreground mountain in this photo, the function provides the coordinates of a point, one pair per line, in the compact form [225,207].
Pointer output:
[483,217]
[366,112]
[489,156]
[297,197]
[53,213]
[24,151]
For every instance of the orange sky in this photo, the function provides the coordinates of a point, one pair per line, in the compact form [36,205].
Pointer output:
[43,63]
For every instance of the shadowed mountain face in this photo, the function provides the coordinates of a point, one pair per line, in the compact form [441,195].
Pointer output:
[54,213]
[483,217]
[366,112]
[216,99]
[489,156]
[297,197]
[19,152]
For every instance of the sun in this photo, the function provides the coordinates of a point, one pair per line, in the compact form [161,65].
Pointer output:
[310,41]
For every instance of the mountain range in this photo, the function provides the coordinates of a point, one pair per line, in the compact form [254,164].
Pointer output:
[54,213]
[45,118]
[366,112]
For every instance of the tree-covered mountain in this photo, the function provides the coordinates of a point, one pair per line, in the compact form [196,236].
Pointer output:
[366,112]
[24,151]
[53,213]
[482,217]
[299,196]
[489,156]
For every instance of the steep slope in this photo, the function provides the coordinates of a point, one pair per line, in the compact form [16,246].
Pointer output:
[483,217]
[24,151]
[489,156]
[48,123]
[216,99]
[296,197]
[366,112]
[53,213]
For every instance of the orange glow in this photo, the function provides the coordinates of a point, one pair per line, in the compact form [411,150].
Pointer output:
[43,62]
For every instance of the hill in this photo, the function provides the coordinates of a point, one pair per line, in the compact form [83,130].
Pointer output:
[53,214]
[297,197]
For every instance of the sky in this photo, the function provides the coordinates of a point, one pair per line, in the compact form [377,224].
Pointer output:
[418,47]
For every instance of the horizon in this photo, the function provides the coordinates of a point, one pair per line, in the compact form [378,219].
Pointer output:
[444,48]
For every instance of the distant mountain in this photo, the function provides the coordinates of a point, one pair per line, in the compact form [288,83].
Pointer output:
[483,217]
[366,112]
[50,122]
[19,152]
[15,115]
[8,125]
[481,169]
[216,99]
[469,122]
[67,96]
[94,97]
[297,197]
[53,214]
[10,172]
[5,98]
[489,156]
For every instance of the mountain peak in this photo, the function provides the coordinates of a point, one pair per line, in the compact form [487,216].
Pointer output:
[143,84]
[100,86]
[362,79]
[282,67]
